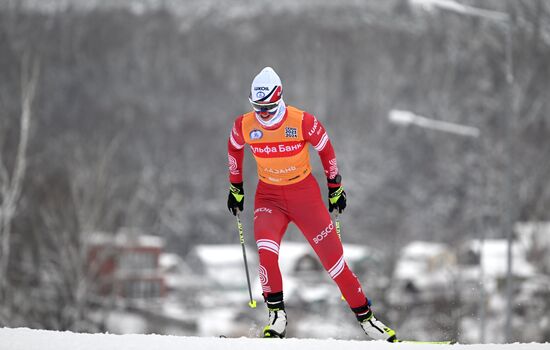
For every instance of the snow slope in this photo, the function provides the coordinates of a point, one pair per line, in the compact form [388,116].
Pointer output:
[28,339]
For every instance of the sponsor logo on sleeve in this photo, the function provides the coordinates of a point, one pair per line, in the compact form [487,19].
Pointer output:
[333,170]
[233,170]
[315,124]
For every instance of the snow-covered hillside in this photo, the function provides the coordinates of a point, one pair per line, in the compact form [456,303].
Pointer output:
[28,339]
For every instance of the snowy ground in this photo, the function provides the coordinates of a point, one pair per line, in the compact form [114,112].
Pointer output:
[28,339]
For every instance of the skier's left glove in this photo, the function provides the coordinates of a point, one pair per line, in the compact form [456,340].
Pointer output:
[235,200]
[336,194]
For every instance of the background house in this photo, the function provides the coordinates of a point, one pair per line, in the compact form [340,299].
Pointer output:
[491,256]
[424,271]
[126,264]
[535,237]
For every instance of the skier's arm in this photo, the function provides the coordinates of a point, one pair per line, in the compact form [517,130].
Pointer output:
[235,155]
[235,152]
[315,133]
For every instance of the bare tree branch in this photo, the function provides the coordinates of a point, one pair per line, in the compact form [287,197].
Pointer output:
[11,187]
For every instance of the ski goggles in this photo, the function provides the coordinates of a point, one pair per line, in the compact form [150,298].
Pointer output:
[269,107]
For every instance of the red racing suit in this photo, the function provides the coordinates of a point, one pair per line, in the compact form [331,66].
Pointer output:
[287,191]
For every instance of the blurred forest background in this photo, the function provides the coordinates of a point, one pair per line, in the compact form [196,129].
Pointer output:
[117,115]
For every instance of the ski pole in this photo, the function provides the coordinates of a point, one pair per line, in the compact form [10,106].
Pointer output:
[337,226]
[252,302]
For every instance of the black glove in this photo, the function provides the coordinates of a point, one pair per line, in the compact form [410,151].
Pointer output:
[336,195]
[235,200]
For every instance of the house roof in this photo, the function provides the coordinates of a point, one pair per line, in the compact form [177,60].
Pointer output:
[125,240]
[495,258]
[223,254]
[423,262]
[422,249]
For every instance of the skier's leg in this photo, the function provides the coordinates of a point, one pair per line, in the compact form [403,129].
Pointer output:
[270,224]
[320,233]
[311,216]
[314,221]
[269,227]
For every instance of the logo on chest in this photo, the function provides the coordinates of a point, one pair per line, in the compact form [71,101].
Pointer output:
[256,134]
[291,132]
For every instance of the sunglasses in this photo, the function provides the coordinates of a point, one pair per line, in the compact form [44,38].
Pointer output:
[270,107]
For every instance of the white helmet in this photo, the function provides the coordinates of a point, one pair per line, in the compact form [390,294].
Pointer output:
[266,91]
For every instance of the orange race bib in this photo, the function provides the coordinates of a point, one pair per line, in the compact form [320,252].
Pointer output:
[282,155]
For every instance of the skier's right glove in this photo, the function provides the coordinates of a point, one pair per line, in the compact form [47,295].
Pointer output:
[235,200]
